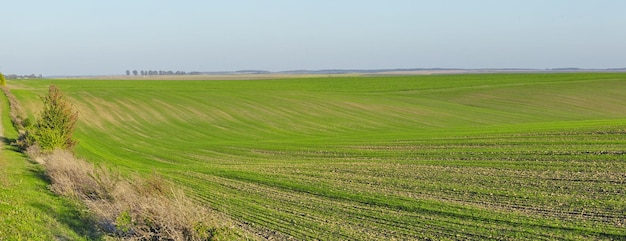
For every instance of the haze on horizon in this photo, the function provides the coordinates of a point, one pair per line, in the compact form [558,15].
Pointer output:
[73,37]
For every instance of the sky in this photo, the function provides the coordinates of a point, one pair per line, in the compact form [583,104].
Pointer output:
[80,37]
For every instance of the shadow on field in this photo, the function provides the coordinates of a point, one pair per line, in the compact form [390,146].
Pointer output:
[70,215]
[9,144]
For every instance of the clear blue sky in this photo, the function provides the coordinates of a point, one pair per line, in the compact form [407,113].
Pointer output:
[78,37]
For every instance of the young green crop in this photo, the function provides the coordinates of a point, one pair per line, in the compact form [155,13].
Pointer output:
[511,156]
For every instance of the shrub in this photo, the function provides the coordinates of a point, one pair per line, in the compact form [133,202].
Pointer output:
[55,126]
[3,80]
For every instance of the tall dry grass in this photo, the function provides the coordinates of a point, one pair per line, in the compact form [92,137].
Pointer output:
[16,113]
[132,208]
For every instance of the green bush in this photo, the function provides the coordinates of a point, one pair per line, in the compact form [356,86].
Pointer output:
[55,125]
[124,222]
[3,80]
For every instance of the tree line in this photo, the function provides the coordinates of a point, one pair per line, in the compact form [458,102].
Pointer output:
[159,72]
[31,76]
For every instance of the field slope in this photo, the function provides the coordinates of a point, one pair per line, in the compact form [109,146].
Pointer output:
[28,210]
[511,156]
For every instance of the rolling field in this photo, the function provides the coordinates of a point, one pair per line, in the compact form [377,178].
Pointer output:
[498,156]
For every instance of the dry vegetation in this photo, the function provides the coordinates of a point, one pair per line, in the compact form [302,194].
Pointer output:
[15,112]
[133,208]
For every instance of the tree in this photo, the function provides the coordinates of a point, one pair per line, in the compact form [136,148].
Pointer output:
[3,80]
[55,126]
[127,72]
[135,72]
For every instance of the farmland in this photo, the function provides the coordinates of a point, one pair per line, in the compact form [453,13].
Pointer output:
[511,156]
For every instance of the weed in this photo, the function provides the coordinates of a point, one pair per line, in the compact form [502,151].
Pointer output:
[124,223]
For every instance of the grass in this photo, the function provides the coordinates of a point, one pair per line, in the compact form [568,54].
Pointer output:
[28,209]
[511,156]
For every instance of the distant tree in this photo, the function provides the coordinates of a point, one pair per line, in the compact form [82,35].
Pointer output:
[135,72]
[3,80]
[127,72]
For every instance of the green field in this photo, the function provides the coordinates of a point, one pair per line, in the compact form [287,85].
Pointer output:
[498,156]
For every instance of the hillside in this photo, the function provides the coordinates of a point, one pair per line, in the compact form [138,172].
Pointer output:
[513,156]
[28,209]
